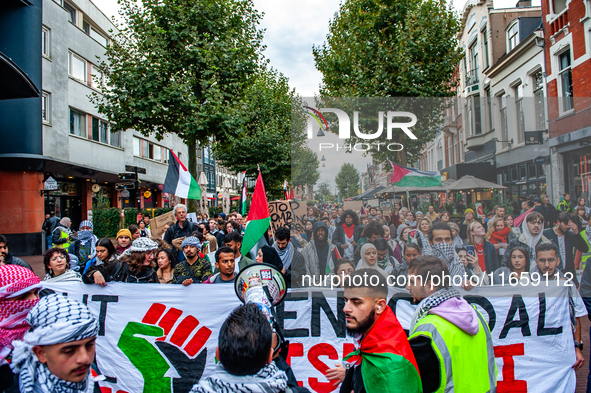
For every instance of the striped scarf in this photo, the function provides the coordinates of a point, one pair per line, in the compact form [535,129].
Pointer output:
[269,379]
[286,254]
[431,302]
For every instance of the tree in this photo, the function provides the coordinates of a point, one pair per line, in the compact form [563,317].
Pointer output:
[347,180]
[391,48]
[323,192]
[265,138]
[181,67]
[304,171]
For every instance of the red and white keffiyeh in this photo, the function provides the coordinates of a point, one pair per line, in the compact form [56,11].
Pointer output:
[14,281]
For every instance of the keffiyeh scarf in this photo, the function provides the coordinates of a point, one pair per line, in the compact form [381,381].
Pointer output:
[285,254]
[269,379]
[412,224]
[54,320]
[431,302]
[445,252]
[69,275]
[15,280]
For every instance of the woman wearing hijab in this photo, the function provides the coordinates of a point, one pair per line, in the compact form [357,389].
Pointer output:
[268,254]
[369,259]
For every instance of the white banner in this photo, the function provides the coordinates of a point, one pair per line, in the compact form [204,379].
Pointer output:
[162,338]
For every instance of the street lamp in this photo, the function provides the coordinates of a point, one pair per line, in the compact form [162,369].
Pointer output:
[323,159]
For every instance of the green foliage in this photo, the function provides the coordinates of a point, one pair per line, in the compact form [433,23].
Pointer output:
[181,67]
[106,221]
[161,210]
[215,209]
[265,137]
[130,216]
[347,180]
[304,170]
[391,48]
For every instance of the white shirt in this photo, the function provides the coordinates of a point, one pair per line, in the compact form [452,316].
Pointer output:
[236,267]
[562,249]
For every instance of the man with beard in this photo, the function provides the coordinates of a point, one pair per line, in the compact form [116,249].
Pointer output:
[18,294]
[347,234]
[438,242]
[234,241]
[6,258]
[57,352]
[224,263]
[383,360]
[547,262]
[292,259]
[450,339]
[532,235]
[193,269]
[123,241]
[182,228]
[318,252]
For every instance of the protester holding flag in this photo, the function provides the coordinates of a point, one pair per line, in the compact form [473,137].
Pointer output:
[450,339]
[383,359]
[259,218]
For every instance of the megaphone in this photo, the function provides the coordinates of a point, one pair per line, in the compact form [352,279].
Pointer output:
[262,284]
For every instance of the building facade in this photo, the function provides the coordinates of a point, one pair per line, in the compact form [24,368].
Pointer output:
[72,143]
[567,42]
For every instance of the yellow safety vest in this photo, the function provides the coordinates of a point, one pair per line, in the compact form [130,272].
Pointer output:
[63,235]
[467,362]
[585,255]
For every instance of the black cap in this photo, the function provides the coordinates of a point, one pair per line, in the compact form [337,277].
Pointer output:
[537,200]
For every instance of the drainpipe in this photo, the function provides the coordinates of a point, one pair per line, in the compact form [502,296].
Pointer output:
[549,176]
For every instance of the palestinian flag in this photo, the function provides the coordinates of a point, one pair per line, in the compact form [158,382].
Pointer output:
[410,177]
[388,364]
[259,217]
[179,181]
[243,195]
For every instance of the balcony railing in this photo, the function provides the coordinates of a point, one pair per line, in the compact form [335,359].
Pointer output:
[449,121]
[472,77]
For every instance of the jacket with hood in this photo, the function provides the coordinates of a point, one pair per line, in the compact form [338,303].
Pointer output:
[9,259]
[311,253]
[522,241]
[570,241]
[466,324]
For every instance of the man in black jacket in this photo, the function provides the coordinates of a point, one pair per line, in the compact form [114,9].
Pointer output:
[566,236]
[292,259]
[182,228]
[6,258]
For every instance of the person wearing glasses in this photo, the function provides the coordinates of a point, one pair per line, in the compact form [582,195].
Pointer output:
[57,266]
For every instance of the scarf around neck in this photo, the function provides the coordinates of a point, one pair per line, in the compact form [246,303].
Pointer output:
[285,254]
[349,231]
[531,240]
[431,302]
[500,237]
[411,224]
[269,379]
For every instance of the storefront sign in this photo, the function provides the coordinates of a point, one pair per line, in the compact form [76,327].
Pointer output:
[534,138]
[50,184]
[147,194]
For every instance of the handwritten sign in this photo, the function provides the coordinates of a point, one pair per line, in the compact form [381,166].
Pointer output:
[157,224]
[299,210]
[353,205]
[281,214]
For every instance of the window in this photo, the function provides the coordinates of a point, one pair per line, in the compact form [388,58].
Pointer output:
[503,115]
[512,36]
[46,107]
[77,67]
[72,11]
[77,123]
[538,84]
[136,147]
[86,27]
[96,76]
[157,153]
[165,155]
[98,37]
[100,130]
[522,174]
[115,139]
[488,108]
[566,81]
[474,119]
[95,129]
[145,149]
[485,44]
[514,176]
[519,113]
[474,56]
[46,42]
[531,170]
[558,6]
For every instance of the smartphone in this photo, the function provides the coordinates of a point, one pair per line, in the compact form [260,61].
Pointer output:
[470,250]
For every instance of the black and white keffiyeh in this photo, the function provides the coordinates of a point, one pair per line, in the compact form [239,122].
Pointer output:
[54,320]
[431,302]
[269,379]
[285,254]
[445,252]
[140,244]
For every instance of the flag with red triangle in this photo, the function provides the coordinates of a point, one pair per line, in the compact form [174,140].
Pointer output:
[259,217]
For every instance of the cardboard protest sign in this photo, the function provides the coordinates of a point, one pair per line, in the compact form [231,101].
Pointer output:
[353,205]
[281,214]
[157,338]
[299,210]
[386,212]
[157,224]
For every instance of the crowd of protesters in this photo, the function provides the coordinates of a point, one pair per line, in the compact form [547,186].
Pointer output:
[331,242]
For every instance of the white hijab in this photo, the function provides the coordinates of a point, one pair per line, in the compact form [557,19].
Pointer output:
[531,240]
[363,264]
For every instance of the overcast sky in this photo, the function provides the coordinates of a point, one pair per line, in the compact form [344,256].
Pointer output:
[292,28]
